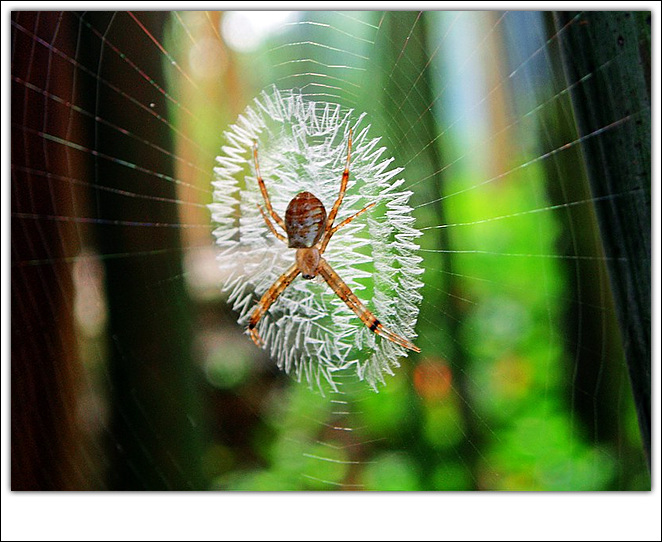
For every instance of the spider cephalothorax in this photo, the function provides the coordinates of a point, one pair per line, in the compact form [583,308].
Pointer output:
[309,230]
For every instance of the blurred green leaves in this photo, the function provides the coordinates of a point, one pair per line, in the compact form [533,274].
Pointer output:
[476,108]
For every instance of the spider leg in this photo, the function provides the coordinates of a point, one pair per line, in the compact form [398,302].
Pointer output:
[343,188]
[271,226]
[333,230]
[268,299]
[263,189]
[343,292]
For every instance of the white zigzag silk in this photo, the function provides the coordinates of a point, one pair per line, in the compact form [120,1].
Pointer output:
[309,331]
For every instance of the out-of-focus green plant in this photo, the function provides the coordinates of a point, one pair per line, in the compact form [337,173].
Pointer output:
[491,401]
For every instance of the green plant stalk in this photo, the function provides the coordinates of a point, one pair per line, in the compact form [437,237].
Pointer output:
[155,412]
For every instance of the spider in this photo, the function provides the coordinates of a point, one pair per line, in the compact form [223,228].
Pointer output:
[309,230]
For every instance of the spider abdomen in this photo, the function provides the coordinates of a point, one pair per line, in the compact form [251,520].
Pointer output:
[305,220]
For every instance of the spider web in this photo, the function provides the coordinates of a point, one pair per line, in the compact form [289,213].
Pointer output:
[308,335]
[132,368]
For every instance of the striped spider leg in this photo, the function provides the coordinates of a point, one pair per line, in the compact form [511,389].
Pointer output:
[308,229]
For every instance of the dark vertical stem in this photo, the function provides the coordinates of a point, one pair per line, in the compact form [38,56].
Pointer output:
[406,98]
[613,114]
[155,416]
[407,116]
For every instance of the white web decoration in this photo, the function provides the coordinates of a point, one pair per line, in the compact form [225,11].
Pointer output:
[309,331]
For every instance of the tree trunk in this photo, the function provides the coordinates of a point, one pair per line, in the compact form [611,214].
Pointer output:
[612,108]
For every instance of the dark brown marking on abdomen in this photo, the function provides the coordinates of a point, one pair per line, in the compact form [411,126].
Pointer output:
[305,219]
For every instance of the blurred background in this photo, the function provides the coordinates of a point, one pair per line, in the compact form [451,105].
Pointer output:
[525,138]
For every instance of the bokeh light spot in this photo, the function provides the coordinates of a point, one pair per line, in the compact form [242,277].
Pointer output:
[433,380]
[244,31]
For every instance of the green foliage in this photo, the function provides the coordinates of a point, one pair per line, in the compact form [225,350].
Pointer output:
[495,400]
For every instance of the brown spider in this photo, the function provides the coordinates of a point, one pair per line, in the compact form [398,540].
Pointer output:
[309,230]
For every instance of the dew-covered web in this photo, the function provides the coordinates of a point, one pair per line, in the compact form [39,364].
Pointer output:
[131,368]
